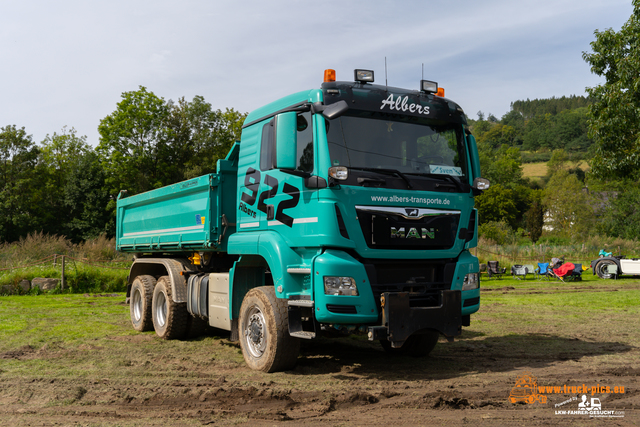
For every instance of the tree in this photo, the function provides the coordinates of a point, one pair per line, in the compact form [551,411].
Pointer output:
[568,206]
[558,161]
[498,135]
[19,204]
[58,156]
[133,142]
[502,166]
[86,199]
[534,217]
[148,143]
[621,216]
[614,116]
[497,204]
[498,231]
[207,135]
[571,129]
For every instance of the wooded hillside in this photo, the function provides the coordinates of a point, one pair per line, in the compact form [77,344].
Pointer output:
[63,186]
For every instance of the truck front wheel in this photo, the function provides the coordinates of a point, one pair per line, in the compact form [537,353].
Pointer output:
[264,332]
[140,303]
[169,317]
[417,345]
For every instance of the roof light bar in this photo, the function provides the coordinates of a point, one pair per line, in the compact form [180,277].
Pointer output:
[363,76]
[428,86]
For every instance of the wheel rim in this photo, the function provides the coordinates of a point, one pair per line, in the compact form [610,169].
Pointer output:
[602,270]
[161,310]
[136,305]
[255,332]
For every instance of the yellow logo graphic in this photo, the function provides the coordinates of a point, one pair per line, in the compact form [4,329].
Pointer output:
[526,390]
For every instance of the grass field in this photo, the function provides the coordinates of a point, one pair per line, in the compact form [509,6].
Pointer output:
[536,171]
[75,360]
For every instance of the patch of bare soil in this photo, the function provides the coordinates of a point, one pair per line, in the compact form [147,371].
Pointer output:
[145,381]
[335,383]
[20,353]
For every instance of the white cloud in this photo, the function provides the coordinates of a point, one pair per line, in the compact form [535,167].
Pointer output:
[67,62]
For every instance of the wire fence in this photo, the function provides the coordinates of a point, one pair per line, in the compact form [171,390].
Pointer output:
[57,259]
[533,254]
[62,272]
[502,253]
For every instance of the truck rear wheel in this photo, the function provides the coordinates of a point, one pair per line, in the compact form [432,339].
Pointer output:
[169,317]
[264,332]
[140,303]
[417,345]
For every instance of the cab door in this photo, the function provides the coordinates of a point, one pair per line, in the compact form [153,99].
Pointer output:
[284,198]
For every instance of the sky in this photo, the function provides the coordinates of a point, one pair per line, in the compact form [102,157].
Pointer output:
[67,63]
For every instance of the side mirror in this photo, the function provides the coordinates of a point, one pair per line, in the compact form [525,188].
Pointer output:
[334,111]
[480,184]
[331,111]
[286,140]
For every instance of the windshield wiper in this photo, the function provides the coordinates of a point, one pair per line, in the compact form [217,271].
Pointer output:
[386,172]
[449,178]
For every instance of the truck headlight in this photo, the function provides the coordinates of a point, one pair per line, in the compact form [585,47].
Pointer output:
[334,285]
[471,281]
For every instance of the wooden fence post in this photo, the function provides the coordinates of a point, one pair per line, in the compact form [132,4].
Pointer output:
[62,280]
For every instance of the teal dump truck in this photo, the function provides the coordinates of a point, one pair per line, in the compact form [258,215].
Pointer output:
[344,209]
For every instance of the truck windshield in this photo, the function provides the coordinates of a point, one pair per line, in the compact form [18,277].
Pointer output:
[409,145]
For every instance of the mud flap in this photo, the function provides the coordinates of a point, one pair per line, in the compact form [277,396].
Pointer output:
[400,320]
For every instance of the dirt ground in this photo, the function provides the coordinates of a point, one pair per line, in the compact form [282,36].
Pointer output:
[140,380]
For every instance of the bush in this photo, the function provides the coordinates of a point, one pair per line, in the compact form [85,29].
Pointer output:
[84,268]
[529,157]
[498,231]
[554,241]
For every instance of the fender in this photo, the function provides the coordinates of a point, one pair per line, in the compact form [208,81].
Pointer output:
[278,256]
[161,267]
[275,250]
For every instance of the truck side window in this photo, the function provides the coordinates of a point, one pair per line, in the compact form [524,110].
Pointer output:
[268,147]
[305,143]
[304,155]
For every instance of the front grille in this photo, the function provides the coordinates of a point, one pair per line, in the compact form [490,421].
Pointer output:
[422,279]
[394,228]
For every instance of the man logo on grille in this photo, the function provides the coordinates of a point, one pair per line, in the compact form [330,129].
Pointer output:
[413,233]
[412,212]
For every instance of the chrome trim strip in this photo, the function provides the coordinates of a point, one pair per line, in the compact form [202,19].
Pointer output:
[405,212]
[164,231]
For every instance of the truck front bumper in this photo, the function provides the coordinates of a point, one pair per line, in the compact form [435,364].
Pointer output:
[400,320]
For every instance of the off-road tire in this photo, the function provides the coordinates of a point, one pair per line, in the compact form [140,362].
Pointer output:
[169,317]
[141,296]
[417,345]
[264,332]
[601,270]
